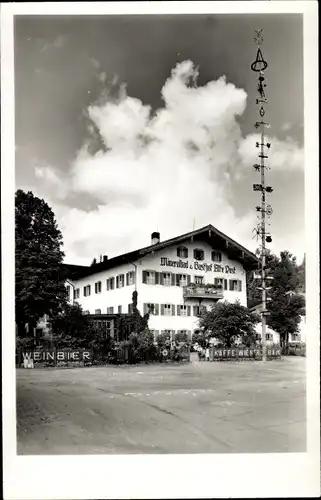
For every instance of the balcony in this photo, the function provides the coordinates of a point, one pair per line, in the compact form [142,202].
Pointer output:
[203,291]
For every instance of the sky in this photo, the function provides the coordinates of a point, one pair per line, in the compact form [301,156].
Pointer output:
[127,125]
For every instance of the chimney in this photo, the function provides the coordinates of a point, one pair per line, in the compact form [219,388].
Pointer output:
[155,238]
[105,258]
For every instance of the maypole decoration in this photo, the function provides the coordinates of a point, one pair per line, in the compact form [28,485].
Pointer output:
[265,210]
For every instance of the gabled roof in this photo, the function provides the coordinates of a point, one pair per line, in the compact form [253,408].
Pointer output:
[208,233]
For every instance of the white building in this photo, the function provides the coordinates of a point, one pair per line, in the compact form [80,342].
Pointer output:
[174,279]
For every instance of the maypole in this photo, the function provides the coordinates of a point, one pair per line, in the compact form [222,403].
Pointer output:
[265,210]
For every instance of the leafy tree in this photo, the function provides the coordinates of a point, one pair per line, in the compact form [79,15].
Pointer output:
[254,295]
[228,322]
[133,322]
[39,277]
[142,346]
[181,337]
[164,340]
[199,337]
[287,305]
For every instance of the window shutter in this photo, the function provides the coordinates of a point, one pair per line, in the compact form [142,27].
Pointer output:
[117,281]
[178,310]
[144,277]
[178,252]
[127,279]
[89,289]
[231,285]
[240,285]
[162,309]
[145,309]
[173,276]
[177,279]
[225,284]
[188,279]
[156,278]
[188,310]
[173,310]
[195,310]
[161,278]
[156,309]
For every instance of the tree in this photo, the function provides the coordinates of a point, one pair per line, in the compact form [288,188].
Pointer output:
[287,305]
[133,322]
[70,327]
[199,337]
[228,322]
[181,337]
[40,287]
[254,295]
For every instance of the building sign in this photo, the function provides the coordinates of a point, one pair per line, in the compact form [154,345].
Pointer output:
[197,266]
[237,353]
[56,355]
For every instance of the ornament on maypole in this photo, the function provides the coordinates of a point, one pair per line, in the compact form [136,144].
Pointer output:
[264,210]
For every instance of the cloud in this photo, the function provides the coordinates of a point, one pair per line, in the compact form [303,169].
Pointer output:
[283,155]
[160,170]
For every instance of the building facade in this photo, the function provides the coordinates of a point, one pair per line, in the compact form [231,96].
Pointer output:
[174,279]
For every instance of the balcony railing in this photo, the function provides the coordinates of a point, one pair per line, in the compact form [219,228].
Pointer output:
[203,291]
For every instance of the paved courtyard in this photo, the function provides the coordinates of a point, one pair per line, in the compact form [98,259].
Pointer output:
[199,407]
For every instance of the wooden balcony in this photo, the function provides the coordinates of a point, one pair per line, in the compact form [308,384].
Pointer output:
[203,292]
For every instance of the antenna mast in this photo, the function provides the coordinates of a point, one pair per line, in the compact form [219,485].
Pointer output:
[259,66]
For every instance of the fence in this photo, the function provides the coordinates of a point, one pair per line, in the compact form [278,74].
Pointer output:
[241,354]
[296,350]
[52,357]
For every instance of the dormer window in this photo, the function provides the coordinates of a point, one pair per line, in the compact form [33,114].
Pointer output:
[182,252]
[216,256]
[198,254]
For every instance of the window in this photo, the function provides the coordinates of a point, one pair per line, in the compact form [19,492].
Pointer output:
[269,336]
[152,309]
[87,291]
[68,291]
[216,256]
[167,310]
[130,278]
[183,310]
[182,252]
[77,293]
[235,286]
[120,281]
[97,311]
[150,277]
[199,280]
[203,309]
[196,310]
[181,279]
[86,313]
[98,287]
[166,279]
[198,254]
[110,283]
[119,309]
[218,282]
[130,308]
[109,329]
[110,310]
[296,337]
[225,284]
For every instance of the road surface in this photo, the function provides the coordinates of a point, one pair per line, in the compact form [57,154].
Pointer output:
[198,407]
